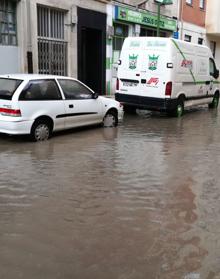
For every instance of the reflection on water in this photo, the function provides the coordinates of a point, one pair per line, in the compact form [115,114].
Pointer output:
[137,201]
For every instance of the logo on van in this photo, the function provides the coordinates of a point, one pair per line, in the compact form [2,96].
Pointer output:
[153,81]
[187,64]
[152,64]
[133,61]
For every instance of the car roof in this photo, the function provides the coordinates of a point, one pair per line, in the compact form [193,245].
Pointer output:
[33,76]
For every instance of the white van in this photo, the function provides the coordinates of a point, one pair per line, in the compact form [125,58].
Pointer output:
[166,74]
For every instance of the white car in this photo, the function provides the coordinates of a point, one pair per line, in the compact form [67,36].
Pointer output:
[40,104]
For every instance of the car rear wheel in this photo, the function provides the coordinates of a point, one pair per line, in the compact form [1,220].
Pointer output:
[40,131]
[110,119]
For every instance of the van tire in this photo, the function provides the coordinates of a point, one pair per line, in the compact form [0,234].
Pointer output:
[179,110]
[41,130]
[215,101]
[129,109]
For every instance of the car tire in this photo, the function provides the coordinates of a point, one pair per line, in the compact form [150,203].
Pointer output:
[40,131]
[215,101]
[110,119]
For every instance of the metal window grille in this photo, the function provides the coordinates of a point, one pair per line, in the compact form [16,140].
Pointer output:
[8,28]
[52,48]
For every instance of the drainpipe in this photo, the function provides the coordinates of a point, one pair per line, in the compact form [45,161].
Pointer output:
[158,19]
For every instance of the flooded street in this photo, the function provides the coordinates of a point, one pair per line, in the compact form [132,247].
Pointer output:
[140,201]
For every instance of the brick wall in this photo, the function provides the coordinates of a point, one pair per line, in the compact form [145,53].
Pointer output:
[193,14]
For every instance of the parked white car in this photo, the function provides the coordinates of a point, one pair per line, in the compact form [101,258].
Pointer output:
[40,104]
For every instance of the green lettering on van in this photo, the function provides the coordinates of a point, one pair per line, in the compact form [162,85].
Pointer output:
[156,44]
[134,44]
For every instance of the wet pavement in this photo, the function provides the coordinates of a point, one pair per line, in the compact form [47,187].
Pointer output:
[137,201]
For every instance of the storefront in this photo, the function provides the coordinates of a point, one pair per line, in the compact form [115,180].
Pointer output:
[138,23]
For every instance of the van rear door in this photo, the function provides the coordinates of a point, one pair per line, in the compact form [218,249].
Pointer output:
[154,73]
[143,70]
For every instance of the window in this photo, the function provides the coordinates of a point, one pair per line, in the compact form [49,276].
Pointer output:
[187,38]
[120,33]
[200,41]
[8,87]
[212,67]
[189,2]
[8,33]
[41,90]
[202,4]
[52,48]
[73,90]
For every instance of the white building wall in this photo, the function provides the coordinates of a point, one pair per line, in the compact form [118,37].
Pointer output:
[192,30]
[10,59]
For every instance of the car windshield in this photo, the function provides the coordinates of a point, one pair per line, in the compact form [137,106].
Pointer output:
[8,87]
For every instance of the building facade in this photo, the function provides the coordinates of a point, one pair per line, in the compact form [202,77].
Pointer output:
[83,38]
[55,37]
[192,15]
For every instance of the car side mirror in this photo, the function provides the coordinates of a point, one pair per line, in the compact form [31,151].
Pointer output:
[95,95]
[216,74]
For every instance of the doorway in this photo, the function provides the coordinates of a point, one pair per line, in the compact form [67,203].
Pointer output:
[92,49]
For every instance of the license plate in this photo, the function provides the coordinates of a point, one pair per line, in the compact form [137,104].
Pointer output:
[130,83]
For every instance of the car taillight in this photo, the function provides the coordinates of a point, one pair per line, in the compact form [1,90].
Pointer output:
[168,90]
[10,112]
[117,84]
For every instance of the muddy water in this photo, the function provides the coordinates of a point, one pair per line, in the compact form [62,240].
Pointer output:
[138,201]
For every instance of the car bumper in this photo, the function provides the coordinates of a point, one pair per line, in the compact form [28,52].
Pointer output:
[15,127]
[120,114]
[157,104]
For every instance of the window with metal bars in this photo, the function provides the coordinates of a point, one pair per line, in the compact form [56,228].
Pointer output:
[8,32]
[52,47]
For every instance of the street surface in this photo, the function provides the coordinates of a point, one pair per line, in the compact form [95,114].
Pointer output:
[141,201]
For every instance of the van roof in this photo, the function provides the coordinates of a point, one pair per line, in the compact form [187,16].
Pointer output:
[162,39]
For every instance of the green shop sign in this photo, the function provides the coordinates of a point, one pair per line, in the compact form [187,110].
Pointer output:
[144,18]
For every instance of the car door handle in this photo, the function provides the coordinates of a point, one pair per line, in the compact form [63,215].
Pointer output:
[71,106]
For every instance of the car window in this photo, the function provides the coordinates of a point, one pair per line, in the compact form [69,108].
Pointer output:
[41,90]
[8,87]
[73,89]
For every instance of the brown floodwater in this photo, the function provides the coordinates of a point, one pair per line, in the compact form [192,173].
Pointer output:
[138,201]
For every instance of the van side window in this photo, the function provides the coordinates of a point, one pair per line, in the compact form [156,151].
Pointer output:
[211,67]
[41,90]
[74,90]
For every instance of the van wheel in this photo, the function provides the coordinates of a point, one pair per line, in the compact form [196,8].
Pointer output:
[110,119]
[179,110]
[40,131]
[129,109]
[215,101]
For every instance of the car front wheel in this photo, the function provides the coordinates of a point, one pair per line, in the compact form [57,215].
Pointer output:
[110,119]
